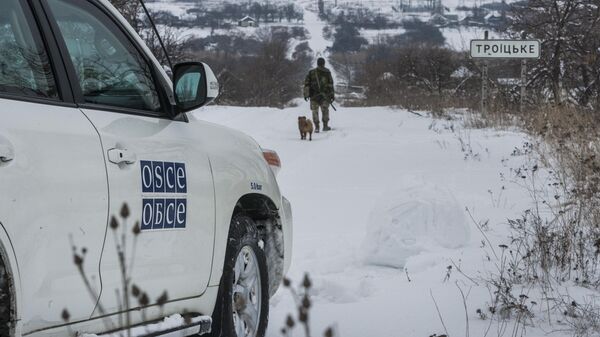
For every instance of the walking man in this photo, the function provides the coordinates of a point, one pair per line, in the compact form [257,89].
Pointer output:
[318,86]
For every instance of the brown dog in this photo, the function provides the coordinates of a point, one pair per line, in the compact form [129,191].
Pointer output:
[306,127]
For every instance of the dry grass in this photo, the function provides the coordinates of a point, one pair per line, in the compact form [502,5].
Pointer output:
[556,241]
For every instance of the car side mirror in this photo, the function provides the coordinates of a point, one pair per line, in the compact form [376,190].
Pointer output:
[195,86]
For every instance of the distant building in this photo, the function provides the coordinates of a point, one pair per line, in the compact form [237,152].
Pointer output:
[444,20]
[472,20]
[438,20]
[495,19]
[452,18]
[509,82]
[248,22]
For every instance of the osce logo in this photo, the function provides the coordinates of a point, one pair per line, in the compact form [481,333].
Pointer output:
[164,213]
[163,177]
[164,186]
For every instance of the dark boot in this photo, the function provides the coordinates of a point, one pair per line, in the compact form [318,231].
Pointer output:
[317,128]
[326,127]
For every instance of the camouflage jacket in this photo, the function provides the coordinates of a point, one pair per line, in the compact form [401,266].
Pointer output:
[319,85]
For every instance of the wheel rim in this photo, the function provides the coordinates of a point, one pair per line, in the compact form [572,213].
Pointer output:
[246,295]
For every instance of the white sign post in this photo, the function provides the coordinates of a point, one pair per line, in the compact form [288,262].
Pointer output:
[523,84]
[504,49]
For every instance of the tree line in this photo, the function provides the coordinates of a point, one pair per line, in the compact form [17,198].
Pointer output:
[414,69]
[417,66]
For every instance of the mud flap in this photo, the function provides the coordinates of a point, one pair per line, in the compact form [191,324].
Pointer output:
[272,234]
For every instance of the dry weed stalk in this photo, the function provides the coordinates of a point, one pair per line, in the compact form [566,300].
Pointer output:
[303,302]
[556,242]
[119,228]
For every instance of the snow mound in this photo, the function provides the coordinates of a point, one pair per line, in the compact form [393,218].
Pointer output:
[416,218]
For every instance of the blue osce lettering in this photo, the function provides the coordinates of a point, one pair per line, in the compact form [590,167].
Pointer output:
[164,214]
[163,177]
[169,180]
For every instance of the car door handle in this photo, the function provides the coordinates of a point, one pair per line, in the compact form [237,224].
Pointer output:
[6,153]
[121,156]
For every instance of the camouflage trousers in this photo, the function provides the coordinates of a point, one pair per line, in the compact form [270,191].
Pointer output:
[324,105]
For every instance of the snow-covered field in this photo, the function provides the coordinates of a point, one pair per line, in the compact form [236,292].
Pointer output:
[460,38]
[456,38]
[379,208]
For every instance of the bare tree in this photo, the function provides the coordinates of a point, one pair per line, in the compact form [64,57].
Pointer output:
[568,30]
[175,45]
[131,11]
[346,65]
[257,72]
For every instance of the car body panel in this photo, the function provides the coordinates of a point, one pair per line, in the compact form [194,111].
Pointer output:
[166,259]
[242,188]
[239,168]
[288,232]
[204,306]
[48,205]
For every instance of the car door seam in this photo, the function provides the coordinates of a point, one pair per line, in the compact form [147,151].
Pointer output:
[212,260]
[107,215]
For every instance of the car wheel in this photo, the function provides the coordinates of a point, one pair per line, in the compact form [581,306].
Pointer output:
[5,302]
[242,308]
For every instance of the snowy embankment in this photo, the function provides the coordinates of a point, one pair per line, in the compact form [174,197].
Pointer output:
[379,208]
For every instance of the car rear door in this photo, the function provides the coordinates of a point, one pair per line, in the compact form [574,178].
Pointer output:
[53,186]
[157,166]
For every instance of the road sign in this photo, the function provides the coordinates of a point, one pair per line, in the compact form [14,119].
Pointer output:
[505,49]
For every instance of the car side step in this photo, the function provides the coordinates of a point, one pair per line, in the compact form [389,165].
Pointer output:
[174,326]
[199,326]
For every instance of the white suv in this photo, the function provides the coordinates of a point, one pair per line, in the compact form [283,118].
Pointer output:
[90,122]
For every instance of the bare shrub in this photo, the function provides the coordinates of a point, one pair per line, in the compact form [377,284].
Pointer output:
[418,76]
[121,232]
[569,30]
[568,239]
[176,46]
[130,11]
[581,318]
[556,242]
[303,301]
[267,76]
[347,65]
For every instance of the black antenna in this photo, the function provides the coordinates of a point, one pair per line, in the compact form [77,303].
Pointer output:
[157,34]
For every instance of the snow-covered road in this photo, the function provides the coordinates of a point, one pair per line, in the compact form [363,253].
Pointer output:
[379,200]
[317,41]
[315,27]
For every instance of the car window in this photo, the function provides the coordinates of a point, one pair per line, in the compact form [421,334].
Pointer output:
[110,69]
[24,65]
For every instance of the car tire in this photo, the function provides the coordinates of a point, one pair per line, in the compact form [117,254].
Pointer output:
[242,308]
[5,302]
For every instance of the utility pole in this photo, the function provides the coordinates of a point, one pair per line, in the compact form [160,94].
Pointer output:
[523,81]
[484,81]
